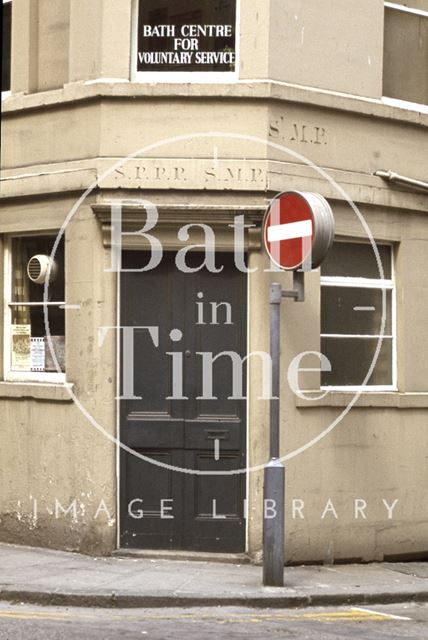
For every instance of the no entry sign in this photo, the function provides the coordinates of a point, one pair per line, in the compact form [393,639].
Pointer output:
[298,230]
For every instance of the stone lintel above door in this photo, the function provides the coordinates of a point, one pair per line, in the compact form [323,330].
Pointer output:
[172,218]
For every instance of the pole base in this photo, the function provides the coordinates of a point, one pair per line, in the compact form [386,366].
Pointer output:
[273,524]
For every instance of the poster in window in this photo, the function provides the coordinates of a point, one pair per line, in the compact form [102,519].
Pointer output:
[21,347]
[37,354]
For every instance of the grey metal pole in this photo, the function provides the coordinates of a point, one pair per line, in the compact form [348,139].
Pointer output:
[274,472]
[275,297]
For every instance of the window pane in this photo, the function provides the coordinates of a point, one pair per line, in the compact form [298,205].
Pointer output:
[6,41]
[341,310]
[351,358]
[405,73]
[29,345]
[23,289]
[354,260]
[186,35]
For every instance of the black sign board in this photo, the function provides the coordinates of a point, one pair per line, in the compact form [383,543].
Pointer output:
[189,35]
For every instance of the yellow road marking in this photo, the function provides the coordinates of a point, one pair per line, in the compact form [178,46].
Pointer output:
[36,613]
[350,615]
[29,616]
[230,616]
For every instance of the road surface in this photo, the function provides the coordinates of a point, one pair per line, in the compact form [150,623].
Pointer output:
[398,622]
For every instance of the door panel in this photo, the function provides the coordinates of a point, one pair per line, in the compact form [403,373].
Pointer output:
[146,485]
[207,436]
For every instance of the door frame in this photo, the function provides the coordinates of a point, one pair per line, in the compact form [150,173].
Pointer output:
[220,221]
[118,413]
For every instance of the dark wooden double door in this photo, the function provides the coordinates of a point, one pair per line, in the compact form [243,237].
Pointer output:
[191,500]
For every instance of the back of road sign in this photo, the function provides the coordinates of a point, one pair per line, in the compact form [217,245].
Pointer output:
[298,230]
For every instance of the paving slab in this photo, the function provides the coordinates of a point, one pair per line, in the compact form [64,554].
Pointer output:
[41,576]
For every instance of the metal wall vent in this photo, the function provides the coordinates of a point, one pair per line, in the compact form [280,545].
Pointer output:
[38,268]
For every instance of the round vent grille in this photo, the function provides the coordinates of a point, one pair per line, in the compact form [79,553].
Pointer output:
[34,269]
[39,267]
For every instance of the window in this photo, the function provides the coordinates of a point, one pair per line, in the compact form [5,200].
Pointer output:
[405,73]
[351,316]
[185,40]
[29,353]
[6,45]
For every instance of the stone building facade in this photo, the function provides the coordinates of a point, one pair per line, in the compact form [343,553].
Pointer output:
[104,150]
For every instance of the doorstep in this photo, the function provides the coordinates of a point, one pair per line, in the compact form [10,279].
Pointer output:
[197,556]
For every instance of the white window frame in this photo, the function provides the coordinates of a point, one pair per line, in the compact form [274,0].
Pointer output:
[401,7]
[8,374]
[189,77]
[6,94]
[387,284]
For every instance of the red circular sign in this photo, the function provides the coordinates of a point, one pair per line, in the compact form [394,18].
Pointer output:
[298,230]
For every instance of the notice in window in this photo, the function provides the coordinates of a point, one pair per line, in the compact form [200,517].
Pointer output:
[37,354]
[190,36]
[21,347]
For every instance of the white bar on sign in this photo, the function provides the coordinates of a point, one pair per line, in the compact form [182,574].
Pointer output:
[288,231]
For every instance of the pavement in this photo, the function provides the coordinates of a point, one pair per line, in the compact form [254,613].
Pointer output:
[47,577]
